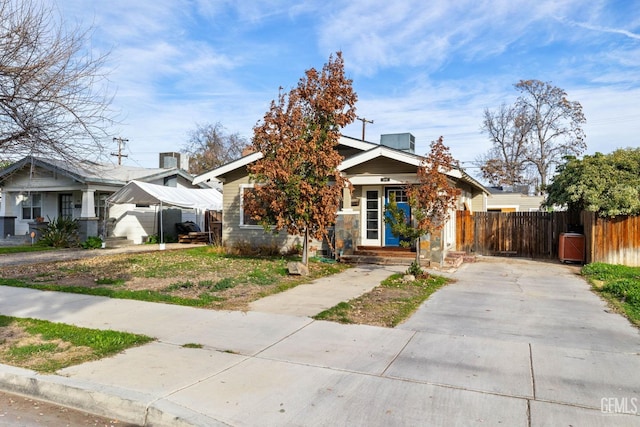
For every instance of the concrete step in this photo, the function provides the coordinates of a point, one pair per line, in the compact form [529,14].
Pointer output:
[381,260]
[118,242]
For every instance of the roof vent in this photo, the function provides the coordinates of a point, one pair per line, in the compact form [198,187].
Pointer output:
[399,141]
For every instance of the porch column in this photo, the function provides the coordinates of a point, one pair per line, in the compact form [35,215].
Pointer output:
[88,204]
[88,221]
[6,204]
[346,198]
[7,217]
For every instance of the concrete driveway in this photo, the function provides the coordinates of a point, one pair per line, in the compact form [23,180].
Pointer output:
[532,330]
[511,343]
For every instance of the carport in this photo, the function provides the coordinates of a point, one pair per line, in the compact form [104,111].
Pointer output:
[143,193]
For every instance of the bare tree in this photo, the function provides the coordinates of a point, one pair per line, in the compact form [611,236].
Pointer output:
[211,146]
[532,135]
[506,162]
[54,96]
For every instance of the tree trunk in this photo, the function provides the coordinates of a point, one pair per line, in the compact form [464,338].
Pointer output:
[305,248]
[418,251]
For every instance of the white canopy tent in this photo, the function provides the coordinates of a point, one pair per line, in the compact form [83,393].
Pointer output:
[143,193]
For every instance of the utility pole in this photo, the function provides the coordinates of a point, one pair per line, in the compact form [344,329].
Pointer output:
[364,123]
[119,154]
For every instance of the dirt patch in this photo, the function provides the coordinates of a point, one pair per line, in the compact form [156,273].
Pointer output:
[224,282]
[387,304]
[33,352]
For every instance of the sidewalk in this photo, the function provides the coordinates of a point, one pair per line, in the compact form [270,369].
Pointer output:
[264,369]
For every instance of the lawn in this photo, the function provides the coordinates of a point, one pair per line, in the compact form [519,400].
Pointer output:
[204,276]
[23,248]
[618,284]
[47,347]
[389,304]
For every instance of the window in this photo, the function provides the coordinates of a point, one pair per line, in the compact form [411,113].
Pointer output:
[400,194]
[100,204]
[171,181]
[245,219]
[32,206]
[372,214]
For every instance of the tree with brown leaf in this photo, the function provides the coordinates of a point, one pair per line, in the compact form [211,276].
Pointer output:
[297,182]
[431,199]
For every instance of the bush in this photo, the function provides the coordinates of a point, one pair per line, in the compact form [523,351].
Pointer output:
[415,270]
[245,248]
[61,232]
[92,242]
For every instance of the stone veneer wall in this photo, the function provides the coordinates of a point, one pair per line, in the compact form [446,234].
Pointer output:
[347,233]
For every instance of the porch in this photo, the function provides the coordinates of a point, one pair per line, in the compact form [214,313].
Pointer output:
[395,255]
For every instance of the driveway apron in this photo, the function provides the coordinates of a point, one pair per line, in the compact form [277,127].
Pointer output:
[532,330]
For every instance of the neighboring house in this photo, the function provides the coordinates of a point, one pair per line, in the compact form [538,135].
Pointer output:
[513,200]
[376,171]
[35,190]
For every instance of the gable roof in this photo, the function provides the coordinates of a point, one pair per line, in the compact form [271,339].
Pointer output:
[369,151]
[87,172]
[250,158]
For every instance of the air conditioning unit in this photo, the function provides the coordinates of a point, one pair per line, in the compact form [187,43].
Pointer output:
[571,247]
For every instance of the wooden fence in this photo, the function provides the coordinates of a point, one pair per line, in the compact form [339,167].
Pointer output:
[524,234]
[536,235]
[612,240]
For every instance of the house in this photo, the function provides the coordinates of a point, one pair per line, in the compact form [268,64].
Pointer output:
[36,189]
[375,171]
[517,199]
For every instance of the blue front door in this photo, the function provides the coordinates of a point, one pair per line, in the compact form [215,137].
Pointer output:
[402,202]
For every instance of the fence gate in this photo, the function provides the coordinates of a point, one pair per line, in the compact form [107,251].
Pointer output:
[523,234]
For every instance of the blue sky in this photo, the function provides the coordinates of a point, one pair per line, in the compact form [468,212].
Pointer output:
[425,67]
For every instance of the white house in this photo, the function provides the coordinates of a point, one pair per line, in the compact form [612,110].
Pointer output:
[36,189]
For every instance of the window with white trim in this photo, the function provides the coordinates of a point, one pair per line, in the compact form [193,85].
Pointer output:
[32,206]
[245,219]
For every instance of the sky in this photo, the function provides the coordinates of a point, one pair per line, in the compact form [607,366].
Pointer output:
[430,68]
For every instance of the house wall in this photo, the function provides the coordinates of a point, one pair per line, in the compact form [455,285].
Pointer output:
[234,233]
[50,185]
[382,166]
[514,202]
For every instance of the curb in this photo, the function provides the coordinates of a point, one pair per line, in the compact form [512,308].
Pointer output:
[125,405]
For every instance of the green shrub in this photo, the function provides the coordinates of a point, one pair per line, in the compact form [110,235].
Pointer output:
[61,232]
[415,269]
[625,289]
[92,242]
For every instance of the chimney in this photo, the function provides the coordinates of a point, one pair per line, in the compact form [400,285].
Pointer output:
[174,160]
[399,141]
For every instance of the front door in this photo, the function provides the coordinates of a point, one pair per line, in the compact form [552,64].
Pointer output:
[371,211]
[65,205]
[403,203]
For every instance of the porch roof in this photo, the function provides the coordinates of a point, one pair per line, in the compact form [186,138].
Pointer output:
[87,172]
